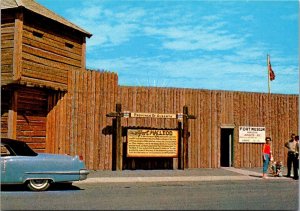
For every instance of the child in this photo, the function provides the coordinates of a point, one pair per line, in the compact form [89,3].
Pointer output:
[277,169]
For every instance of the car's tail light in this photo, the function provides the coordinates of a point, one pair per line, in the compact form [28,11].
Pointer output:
[80,157]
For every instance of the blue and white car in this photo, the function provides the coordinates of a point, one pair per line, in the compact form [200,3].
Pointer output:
[21,165]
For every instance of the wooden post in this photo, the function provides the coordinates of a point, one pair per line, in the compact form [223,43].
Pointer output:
[119,143]
[12,116]
[180,152]
[114,145]
[185,138]
[83,54]
[17,54]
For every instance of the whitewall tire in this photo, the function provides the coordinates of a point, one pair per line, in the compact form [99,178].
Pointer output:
[38,184]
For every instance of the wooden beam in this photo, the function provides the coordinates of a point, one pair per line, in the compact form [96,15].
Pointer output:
[119,139]
[113,114]
[185,137]
[12,116]
[83,54]
[17,54]
[180,152]
[190,116]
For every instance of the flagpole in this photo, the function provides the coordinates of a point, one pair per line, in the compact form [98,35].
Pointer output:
[268,62]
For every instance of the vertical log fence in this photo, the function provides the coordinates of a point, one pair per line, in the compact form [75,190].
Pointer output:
[77,122]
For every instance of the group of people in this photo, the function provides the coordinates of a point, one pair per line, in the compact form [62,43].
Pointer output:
[292,159]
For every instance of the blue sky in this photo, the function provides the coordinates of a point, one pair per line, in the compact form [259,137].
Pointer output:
[217,45]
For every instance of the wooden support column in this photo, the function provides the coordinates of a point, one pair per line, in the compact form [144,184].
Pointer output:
[180,151]
[17,54]
[119,143]
[185,138]
[114,145]
[83,54]
[12,116]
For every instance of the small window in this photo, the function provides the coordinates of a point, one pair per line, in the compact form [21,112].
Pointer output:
[69,45]
[37,34]
[4,151]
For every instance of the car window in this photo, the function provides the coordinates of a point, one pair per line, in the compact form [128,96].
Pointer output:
[6,151]
[17,148]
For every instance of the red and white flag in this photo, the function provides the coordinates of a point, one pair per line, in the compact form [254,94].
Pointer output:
[271,72]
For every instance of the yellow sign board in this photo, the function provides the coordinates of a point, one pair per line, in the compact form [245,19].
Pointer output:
[152,143]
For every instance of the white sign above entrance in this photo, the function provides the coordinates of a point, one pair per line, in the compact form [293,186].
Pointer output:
[248,134]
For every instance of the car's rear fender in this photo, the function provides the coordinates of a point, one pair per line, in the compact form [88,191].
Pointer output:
[57,168]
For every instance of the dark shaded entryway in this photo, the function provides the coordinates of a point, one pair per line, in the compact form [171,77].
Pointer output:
[226,149]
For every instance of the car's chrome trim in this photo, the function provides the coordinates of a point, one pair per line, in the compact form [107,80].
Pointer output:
[83,174]
[27,179]
[54,172]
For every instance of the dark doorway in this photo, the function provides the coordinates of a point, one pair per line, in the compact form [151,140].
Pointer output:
[226,147]
[145,163]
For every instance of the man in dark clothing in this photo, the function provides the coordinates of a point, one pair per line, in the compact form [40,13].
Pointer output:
[296,163]
[291,159]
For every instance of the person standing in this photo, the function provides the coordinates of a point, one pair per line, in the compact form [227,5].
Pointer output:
[291,146]
[267,153]
[296,160]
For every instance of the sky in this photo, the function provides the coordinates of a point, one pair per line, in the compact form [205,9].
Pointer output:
[215,45]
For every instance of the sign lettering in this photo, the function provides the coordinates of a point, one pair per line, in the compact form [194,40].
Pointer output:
[152,143]
[248,134]
[153,115]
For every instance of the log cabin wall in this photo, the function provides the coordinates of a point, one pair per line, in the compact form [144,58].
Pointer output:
[49,51]
[32,117]
[39,51]
[7,47]
[24,115]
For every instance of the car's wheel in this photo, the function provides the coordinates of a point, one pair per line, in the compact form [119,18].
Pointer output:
[38,184]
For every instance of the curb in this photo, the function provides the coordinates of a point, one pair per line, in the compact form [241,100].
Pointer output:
[244,175]
[162,179]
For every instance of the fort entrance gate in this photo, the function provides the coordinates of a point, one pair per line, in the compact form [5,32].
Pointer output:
[145,142]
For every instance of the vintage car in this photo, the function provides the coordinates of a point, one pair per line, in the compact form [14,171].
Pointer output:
[21,165]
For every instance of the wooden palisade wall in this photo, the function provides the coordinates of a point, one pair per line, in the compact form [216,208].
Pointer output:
[77,123]
[278,113]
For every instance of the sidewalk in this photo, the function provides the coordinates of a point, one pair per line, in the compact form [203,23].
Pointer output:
[203,174]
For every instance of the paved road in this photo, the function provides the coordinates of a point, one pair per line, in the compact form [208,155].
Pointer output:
[206,189]
[196,195]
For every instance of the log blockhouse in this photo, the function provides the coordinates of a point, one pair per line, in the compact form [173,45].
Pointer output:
[38,49]
[51,101]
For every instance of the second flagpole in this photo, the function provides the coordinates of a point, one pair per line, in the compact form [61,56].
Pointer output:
[268,62]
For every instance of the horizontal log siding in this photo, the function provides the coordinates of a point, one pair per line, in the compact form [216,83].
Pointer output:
[47,59]
[32,117]
[7,44]
[77,122]
[278,113]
